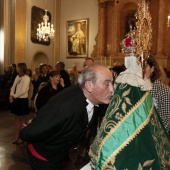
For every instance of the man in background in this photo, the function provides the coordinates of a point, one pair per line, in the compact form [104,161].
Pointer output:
[60,66]
[87,61]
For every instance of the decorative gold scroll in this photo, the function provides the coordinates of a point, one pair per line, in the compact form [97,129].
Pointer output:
[143,30]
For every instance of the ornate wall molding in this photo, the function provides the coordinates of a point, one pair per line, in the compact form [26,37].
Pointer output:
[112,22]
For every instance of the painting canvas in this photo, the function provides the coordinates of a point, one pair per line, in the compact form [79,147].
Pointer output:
[77,38]
[36,18]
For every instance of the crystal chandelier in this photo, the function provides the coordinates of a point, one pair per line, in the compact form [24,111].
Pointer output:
[168,22]
[44,30]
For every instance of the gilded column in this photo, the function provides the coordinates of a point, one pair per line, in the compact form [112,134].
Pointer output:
[20,31]
[109,27]
[101,29]
[161,28]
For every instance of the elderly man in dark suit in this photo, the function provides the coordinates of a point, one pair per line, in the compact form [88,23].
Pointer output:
[62,122]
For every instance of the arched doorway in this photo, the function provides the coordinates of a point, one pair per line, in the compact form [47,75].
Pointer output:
[39,57]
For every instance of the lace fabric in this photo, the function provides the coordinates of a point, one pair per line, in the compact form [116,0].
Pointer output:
[133,74]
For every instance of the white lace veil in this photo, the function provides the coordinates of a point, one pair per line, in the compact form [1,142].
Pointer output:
[133,74]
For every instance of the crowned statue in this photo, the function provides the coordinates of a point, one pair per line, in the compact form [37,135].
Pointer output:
[132,135]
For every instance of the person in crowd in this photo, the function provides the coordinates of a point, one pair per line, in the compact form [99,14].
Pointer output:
[62,122]
[163,78]
[73,73]
[160,92]
[167,77]
[35,76]
[116,70]
[13,74]
[30,91]
[87,61]
[43,77]
[6,88]
[50,89]
[60,67]
[131,135]
[19,99]
[50,68]
[43,84]
[9,78]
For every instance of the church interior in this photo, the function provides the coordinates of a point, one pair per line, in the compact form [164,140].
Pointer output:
[104,24]
[108,22]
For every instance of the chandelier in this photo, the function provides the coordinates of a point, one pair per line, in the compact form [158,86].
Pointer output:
[45,31]
[168,22]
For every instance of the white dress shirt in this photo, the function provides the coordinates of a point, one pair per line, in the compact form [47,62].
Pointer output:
[90,109]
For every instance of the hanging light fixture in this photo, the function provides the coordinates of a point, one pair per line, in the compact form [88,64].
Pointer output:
[168,22]
[45,31]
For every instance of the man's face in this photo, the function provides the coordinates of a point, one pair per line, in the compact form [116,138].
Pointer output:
[87,63]
[103,89]
[57,67]
[44,70]
[12,68]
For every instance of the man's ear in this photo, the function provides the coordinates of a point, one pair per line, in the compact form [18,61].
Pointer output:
[89,86]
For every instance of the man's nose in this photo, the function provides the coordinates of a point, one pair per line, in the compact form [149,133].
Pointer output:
[111,88]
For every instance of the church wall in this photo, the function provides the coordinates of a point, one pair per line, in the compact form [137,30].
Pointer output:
[17,33]
[45,53]
[73,10]
[20,31]
[161,34]
[159,10]
[18,46]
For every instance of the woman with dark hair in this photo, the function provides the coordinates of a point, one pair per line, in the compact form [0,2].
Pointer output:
[160,92]
[55,85]
[19,99]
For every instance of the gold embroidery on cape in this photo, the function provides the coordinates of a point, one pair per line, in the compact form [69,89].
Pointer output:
[140,166]
[146,164]
[106,125]
[161,143]
[97,145]
[118,150]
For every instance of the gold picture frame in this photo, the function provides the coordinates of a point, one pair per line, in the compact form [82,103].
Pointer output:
[77,38]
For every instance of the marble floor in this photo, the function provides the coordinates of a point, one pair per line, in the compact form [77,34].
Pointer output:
[13,157]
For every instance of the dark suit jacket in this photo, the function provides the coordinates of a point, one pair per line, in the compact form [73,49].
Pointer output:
[12,78]
[45,94]
[66,78]
[59,125]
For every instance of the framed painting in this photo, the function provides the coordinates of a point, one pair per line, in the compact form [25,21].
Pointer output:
[77,38]
[36,18]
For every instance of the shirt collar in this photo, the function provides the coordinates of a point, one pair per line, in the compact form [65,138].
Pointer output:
[90,105]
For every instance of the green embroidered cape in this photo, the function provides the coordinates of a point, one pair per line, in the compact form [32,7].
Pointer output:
[131,136]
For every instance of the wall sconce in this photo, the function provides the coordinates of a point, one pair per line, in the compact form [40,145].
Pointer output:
[168,22]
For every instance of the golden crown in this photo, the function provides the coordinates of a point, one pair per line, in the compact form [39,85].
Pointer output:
[128,44]
[138,41]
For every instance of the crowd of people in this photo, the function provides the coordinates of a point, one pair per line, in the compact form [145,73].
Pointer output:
[79,110]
